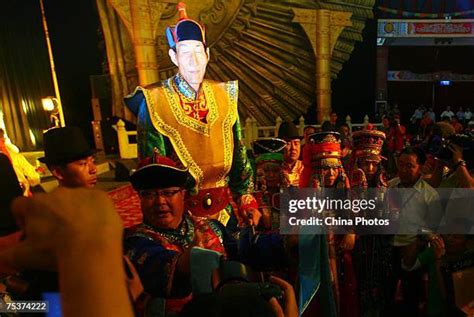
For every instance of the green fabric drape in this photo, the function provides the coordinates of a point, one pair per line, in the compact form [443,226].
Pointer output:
[25,74]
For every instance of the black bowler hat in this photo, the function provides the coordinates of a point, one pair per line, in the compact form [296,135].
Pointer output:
[288,131]
[268,145]
[160,172]
[185,29]
[65,145]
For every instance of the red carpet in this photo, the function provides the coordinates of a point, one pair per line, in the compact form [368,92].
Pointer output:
[127,203]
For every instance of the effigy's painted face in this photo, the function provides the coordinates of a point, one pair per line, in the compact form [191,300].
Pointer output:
[191,58]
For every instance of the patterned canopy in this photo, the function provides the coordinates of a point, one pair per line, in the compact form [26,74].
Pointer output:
[426,8]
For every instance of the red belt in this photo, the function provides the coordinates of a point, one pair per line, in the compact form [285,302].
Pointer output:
[208,201]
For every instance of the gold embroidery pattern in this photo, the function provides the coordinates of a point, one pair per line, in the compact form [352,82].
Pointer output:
[175,139]
[246,199]
[292,174]
[223,217]
[228,139]
[213,114]
[180,114]
[194,107]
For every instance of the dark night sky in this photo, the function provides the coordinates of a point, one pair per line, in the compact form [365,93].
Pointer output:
[73,28]
[354,89]
[74,36]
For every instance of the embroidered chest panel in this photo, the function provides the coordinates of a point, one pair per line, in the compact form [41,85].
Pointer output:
[205,147]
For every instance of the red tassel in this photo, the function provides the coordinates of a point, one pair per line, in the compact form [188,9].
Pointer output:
[182,11]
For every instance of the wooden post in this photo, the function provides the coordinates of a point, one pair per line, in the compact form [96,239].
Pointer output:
[122,138]
[349,122]
[366,121]
[254,130]
[278,123]
[301,126]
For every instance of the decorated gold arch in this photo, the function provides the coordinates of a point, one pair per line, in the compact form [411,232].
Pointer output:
[284,53]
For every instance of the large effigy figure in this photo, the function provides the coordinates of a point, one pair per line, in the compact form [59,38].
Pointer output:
[195,122]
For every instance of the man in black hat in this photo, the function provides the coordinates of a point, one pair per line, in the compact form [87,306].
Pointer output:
[160,247]
[69,157]
[268,160]
[70,160]
[292,167]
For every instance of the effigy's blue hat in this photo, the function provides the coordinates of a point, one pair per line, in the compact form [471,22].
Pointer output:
[186,29]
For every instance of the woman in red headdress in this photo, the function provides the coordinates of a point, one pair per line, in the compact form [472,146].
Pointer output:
[372,253]
[323,169]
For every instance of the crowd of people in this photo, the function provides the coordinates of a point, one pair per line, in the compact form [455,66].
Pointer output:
[210,242]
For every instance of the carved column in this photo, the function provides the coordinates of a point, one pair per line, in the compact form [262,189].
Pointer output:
[322,27]
[140,18]
[323,65]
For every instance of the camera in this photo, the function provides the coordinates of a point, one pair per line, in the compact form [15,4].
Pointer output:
[440,147]
[264,290]
[233,278]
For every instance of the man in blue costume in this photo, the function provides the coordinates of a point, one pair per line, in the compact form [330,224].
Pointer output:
[160,247]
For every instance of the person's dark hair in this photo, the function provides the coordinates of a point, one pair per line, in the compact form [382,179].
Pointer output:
[419,153]
[391,120]
[344,125]
[326,126]
[56,165]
